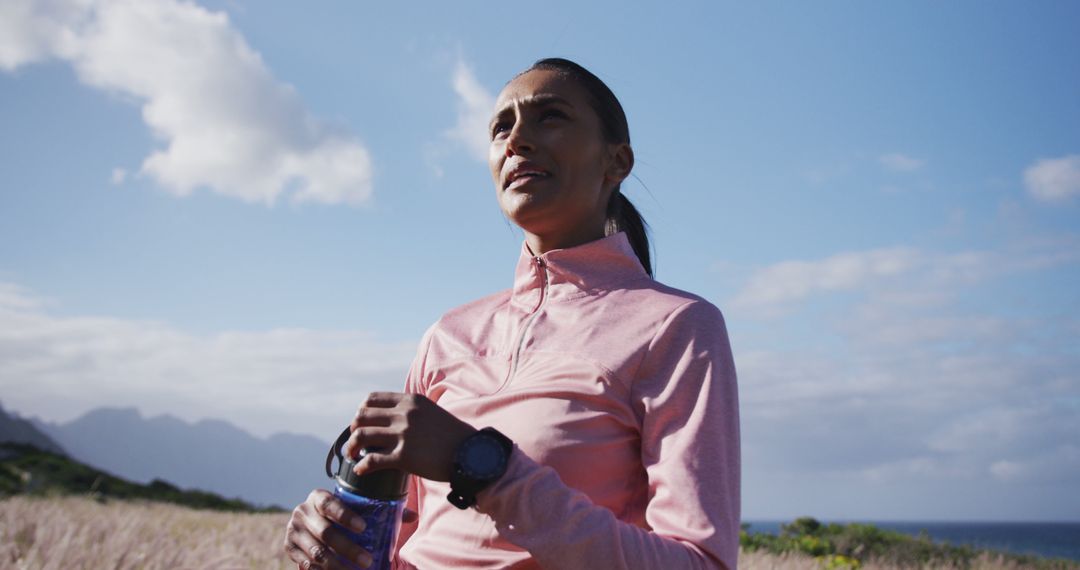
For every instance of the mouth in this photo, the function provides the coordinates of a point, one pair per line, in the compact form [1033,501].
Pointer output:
[523,174]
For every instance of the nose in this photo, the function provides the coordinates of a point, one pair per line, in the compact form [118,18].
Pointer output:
[518,140]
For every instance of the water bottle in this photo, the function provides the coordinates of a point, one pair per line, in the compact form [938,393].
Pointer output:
[378,497]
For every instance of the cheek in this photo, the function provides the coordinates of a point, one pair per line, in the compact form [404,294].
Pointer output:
[586,168]
[495,162]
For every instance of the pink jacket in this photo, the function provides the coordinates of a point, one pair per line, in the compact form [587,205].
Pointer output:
[620,395]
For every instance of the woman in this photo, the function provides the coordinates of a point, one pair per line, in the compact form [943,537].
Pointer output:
[610,398]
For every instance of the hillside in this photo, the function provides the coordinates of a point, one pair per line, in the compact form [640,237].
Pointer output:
[210,454]
[27,470]
[17,430]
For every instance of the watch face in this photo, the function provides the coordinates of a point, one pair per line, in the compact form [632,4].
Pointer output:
[482,457]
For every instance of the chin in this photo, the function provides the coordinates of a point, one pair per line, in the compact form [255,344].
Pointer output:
[536,225]
[527,210]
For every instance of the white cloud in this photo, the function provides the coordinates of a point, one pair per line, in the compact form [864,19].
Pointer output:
[15,298]
[1006,470]
[1054,179]
[119,175]
[920,467]
[791,281]
[225,122]
[475,105]
[908,384]
[897,273]
[995,426]
[32,31]
[919,406]
[1053,465]
[900,162]
[297,380]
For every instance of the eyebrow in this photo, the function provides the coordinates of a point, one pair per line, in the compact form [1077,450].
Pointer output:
[538,100]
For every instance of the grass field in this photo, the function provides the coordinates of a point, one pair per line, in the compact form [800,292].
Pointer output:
[79,533]
[68,532]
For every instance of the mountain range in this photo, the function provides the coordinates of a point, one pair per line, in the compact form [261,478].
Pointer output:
[14,429]
[211,455]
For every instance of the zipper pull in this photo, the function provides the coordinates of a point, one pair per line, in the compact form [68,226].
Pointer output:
[541,265]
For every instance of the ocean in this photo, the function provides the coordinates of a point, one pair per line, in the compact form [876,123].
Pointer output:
[1051,540]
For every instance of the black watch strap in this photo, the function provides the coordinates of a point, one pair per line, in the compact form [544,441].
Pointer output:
[464,485]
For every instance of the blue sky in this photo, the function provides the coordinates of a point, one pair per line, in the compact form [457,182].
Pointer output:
[252,211]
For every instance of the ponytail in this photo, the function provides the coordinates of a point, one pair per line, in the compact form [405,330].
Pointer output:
[622,216]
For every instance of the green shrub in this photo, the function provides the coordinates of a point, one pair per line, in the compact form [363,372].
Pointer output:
[849,546]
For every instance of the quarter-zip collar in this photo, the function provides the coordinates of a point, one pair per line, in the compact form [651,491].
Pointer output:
[606,263]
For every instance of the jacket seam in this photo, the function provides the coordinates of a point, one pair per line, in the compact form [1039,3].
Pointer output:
[606,372]
[649,347]
[422,379]
[452,361]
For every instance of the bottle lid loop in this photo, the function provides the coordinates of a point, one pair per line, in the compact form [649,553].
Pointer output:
[335,450]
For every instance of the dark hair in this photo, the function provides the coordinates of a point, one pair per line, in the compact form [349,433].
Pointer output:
[622,216]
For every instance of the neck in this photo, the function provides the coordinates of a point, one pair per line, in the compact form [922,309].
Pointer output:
[540,244]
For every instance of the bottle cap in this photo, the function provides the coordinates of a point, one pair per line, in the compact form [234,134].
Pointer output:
[384,484]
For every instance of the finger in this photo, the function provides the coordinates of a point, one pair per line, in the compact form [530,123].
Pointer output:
[330,507]
[335,540]
[370,438]
[383,399]
[293,550]
[376,460]
[375,417]
[315,498]
[302,548]
[322,504]
[410,516]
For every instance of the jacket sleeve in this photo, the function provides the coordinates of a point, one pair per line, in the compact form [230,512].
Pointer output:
[686,400]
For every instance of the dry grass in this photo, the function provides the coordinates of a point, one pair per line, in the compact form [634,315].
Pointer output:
[77,533]
[68,533]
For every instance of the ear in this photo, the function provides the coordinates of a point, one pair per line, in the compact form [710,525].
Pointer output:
[620,164]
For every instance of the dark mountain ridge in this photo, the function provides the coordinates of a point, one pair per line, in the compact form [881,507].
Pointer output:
[17,430]
[211,454]
[27,470]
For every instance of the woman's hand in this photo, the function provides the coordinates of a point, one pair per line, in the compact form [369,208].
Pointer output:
[412,433]
[313,542]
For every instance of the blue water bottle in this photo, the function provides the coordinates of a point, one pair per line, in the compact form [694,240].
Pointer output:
[378,497]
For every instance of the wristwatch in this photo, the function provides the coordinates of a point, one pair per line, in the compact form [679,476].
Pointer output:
[480,460]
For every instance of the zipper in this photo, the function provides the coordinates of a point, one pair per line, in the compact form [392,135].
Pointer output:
[525,329]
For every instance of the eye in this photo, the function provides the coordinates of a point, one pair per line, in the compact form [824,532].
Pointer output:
[552,113]
[499,127]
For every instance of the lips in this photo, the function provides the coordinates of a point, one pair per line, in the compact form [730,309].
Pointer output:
[522,173]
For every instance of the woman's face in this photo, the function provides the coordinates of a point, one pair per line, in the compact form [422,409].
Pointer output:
[553,171]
